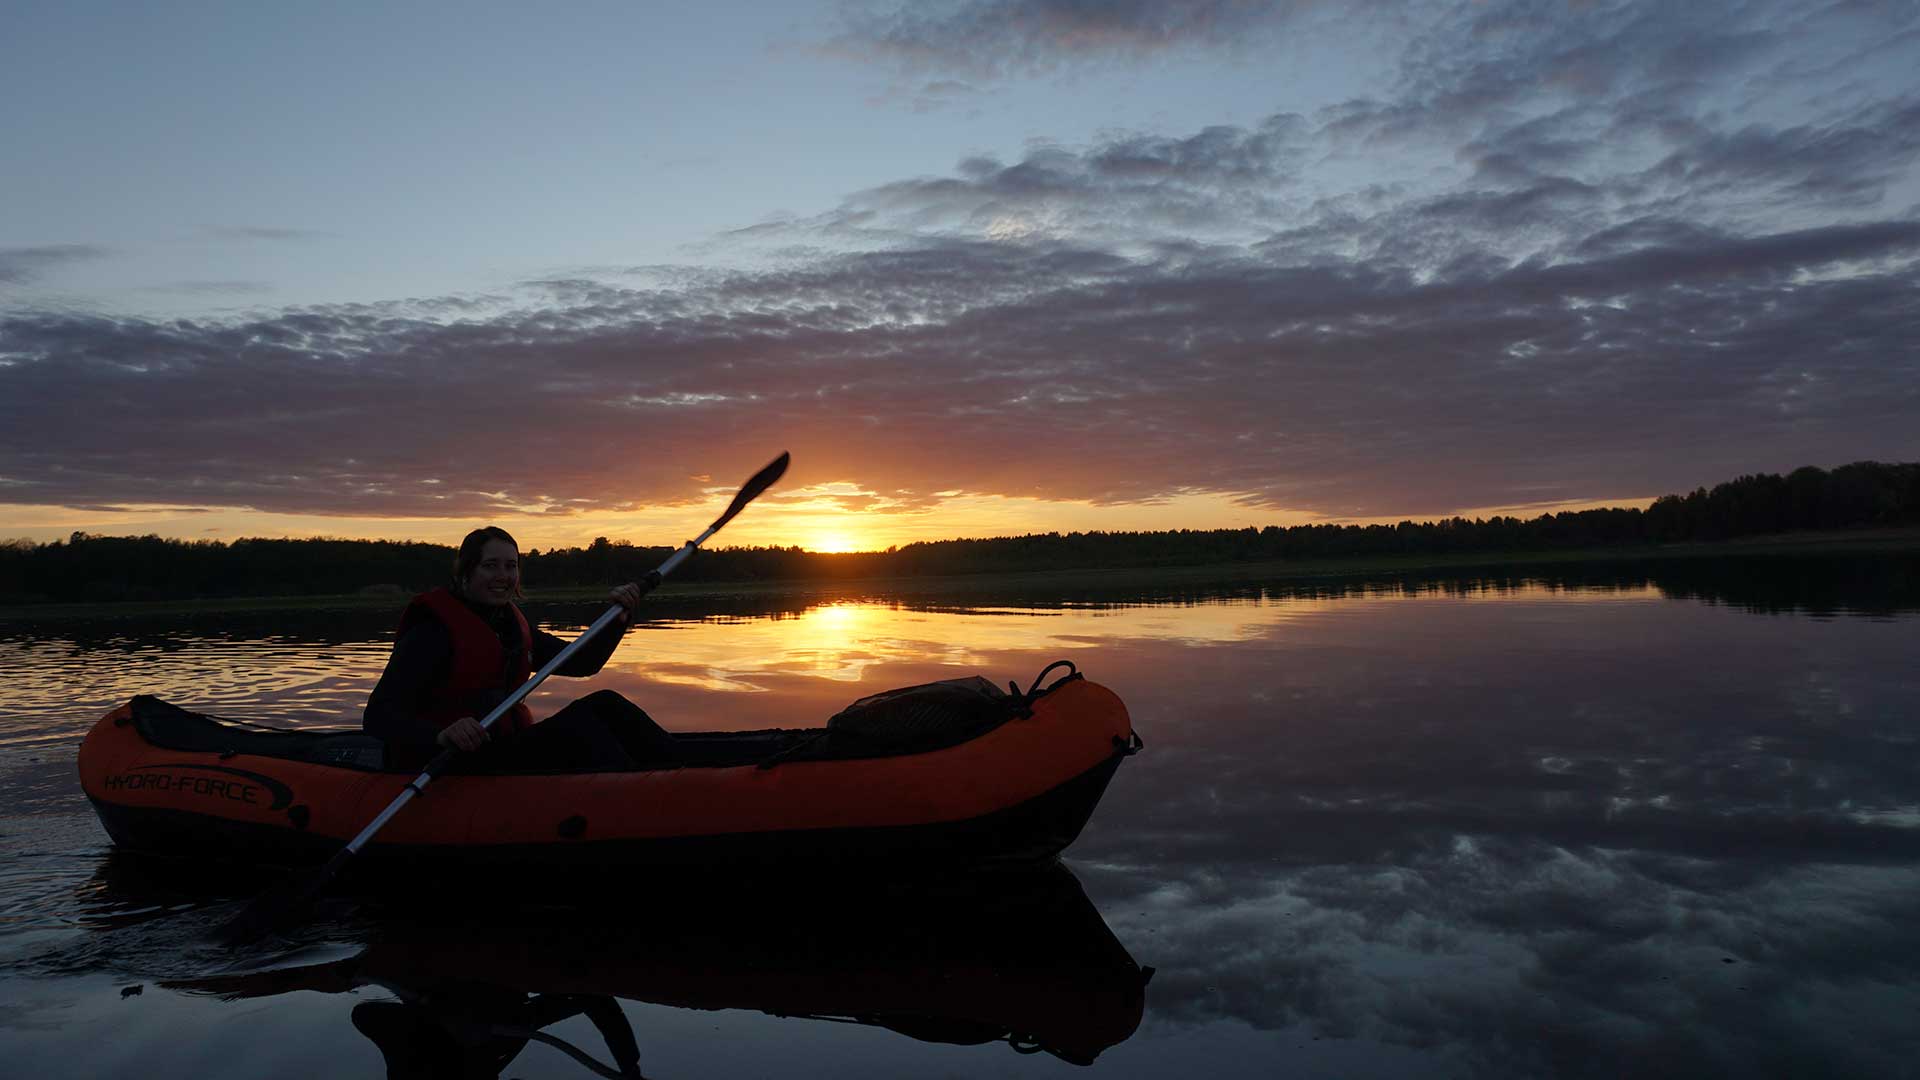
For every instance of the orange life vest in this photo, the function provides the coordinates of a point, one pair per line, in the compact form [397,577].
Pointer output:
[482,672]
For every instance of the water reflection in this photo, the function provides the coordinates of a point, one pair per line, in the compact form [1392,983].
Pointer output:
[1626,820]
[1504,956]
[1021,959]
[315,666]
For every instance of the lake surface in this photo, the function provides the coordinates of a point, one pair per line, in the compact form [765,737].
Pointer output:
[1658,821]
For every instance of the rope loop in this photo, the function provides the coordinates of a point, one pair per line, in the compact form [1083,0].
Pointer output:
[1034,691]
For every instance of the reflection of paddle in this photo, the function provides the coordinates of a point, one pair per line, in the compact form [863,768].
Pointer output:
[277,906]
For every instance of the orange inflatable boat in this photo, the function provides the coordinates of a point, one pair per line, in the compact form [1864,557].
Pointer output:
[958,772]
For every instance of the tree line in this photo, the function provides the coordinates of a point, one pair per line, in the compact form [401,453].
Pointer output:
[1865,494]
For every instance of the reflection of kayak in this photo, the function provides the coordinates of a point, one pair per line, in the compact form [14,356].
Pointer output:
[1023,958]
[952,773]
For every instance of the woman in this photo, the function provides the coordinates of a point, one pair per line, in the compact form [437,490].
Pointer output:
[462,649]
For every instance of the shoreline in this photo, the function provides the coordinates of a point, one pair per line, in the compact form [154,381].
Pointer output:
[1876,541]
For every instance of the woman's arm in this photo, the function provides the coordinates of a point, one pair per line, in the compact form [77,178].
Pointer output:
[420,661]
[593,655]
[588,661]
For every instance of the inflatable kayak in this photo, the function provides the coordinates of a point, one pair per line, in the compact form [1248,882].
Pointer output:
[1021,958]
[956,772]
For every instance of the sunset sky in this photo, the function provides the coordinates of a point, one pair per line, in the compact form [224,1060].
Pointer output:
[984,267]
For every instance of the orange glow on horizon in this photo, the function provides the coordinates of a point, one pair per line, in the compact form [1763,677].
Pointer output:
[816,521]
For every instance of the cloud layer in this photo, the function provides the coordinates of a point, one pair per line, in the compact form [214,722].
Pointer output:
[1061,372]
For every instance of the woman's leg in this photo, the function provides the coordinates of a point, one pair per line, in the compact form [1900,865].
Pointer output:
[646,742]
[574,739]
[602,732]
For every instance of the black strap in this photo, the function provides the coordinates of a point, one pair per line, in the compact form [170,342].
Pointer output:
[798,745]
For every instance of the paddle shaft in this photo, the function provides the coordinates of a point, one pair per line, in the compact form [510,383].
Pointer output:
[440,760]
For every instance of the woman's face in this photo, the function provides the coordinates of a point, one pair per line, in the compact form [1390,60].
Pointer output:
[497,576]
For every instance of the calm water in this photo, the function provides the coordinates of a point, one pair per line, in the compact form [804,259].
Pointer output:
[1627,823]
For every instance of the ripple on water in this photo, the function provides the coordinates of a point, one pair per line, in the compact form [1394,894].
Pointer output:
[44,875]
[70,905]
[61,686]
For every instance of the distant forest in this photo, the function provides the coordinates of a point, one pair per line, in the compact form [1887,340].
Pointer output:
[85,567]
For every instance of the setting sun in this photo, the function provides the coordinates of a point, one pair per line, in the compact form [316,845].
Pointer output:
[835,543]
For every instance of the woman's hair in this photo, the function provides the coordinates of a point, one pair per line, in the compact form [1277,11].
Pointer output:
[468,558]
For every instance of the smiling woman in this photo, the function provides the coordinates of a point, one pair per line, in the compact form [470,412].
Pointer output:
[463,648]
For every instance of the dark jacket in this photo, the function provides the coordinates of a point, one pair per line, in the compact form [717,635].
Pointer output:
[441,659]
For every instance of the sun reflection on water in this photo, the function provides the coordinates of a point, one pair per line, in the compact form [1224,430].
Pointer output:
[803,662]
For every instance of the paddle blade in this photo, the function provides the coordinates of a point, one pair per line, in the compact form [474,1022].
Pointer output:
[761,481]
[281,906]
[268,913]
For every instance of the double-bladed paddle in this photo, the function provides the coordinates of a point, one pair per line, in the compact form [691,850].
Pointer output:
[278,906]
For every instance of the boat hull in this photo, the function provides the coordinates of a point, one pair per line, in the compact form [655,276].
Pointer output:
[1019,793]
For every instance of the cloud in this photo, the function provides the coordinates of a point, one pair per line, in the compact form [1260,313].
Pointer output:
[1528,187]
[1645,106]
[1852,160]
[994,38]
[931,96]
[259,232]
[216,288]
[1124,190]
[19,265]
[1502,130]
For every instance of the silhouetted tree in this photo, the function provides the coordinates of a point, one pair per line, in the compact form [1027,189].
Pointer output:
[85,566]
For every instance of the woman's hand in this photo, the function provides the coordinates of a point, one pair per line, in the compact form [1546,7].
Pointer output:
[627,596]
[463,734]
